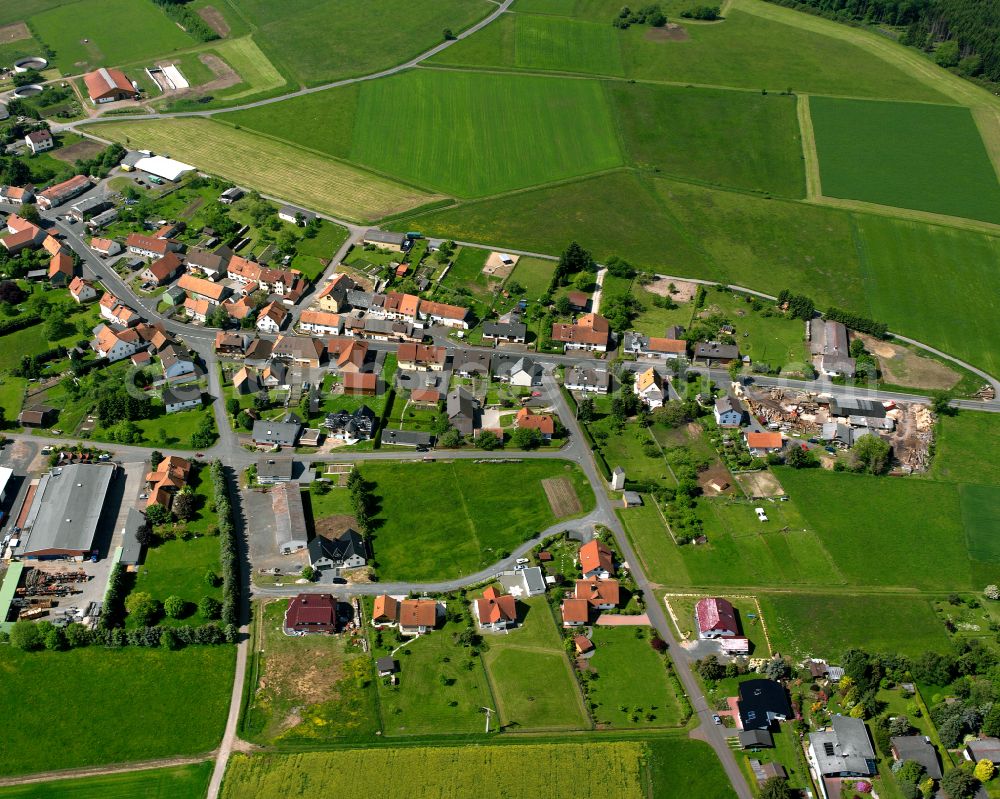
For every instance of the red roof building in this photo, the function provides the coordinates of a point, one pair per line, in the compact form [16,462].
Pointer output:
[716,618]
[311,613]
[596,559]
[542,422]
[495,611]
[575,612]
[107,85]
[601,594]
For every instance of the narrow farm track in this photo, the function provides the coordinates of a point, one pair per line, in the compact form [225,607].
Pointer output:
[122,768]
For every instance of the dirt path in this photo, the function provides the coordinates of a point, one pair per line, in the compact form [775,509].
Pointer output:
[76,773]
[814,188]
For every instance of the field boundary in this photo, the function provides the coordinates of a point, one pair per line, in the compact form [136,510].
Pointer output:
[814,184]
[751,597]
[909,215]
[121,768]
[988,122]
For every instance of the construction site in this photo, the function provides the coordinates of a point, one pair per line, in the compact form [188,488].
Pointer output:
[838,422]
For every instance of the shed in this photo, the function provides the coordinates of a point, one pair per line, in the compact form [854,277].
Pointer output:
[754,739]
[386,666]
[289,518]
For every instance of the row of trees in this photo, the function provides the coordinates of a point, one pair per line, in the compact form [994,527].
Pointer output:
[31,636]
[229,555]
[362,502]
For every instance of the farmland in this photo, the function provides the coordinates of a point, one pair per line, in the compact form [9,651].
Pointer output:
[175,782]
[322,183]
[910,155]
[438,521]
[185,698]
[613,769]
[91,33]
[688,132]
[968,449]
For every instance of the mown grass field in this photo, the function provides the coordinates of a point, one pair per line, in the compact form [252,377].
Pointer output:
[551,43]
[689,132]
[825,625]
[319,183]
[329,39]
[77,712]
[312,255]
[613,769]
[178,568]
[909,155]
[967,449]
[175,782]
[693,764]
[936,284]
[92,33]
[531,676]
[443,520]
[257,72]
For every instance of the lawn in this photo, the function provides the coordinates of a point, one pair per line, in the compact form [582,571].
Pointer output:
[311,688]
[825,625]
[175,704]
[633,683]
[11,395]
[466,273]
[439,521]
[179,568]
[633,449]
[313,255]
[93,33]
[918,539]
[174,782]
[967,449]
[910,155]
[534,274]
[531,676]
[693,764]
[173,429]
[688,132]
[329,39]
[317,182]
[451,772]
[934,283]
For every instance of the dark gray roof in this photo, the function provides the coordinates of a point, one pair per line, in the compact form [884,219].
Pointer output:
[360,299]
[291,210]
[172,354]
[205,259]
[751,738]
[347,545]
[387,663]
[471,361]
[275,432]
[460,403]
[259,350]
[851,406]
[713,349]
[385,236]
[131,548]
[174,395]
[515,330]
[761,702]
[919,749]
[726,403]
[67,507]
[845,749]
[275,469]
[407,438]
[587,376]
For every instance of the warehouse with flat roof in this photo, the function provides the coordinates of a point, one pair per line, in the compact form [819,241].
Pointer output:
[66,511]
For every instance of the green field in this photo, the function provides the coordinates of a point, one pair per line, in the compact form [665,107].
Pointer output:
[313,255]
[444,520]
[178,568]
[175,782]
[329,39]
[613,769]
[910,155]
[94,33]
[321,183]
[633,683]
[689,133]
[175,705]
[693,764]
[981,519]
[825,625]
[530,674]
[967,449]
[934,283]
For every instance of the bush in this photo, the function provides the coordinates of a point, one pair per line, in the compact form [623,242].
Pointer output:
[26,636]
[142,607]
[174,607]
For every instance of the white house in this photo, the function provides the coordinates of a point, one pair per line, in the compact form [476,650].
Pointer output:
[115,345]
[588,379]
[271,318]
[650,389]
[728,411]
[321,323]
[525,373]
[181,398]
[495,611]
[39,141]
[82,290]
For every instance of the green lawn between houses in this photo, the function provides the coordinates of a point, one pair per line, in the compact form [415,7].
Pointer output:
[174,782]
[442,520]
[91,706]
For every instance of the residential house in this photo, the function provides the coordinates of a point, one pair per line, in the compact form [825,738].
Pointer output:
[351,427]
[596,560]
[495,611]
[211,265]
[348,354]
[386,240]
[578,300]
[181,398]
[544,423]
[761,703]
[271,318]
[714,353]
[763,444]
[333,297]
[755,739]
[276,433]
[39,141]
[844,750]
[105,247]
[116,345]
[22,235]
[575,612]
[299,350]
[311,613]
[440,313]
[470,363]
[650,388]
[523,372]
[38,416]
[117,314]
[178,365]
[590,332]
[229,344]
[87,208]
[425,396]
[653,349]
[82,290]
[588,379]
[239,309]
[919,749]
[162,270]
[411,616]
[600,594]
[397,306]
[102,219]
[149,246]
[15,195]
[294,216]
[231,195]
[728,411]
[829,346]
[246,382]
[258,352]
[386,666]
[321,323]
[364,383]
[61,192]
[420,357]
[198,309]
[462,410]
[108,85]
[715,618]
[290,533]
[271,470]
[983,748]
[345,551]
[505,332]
[61,268]
[202,289]
[275,375]
[169,477]
[384,329]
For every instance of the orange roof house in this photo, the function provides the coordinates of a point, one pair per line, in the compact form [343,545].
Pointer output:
[417,615]
[360,382]
[591,332]
[386,610]
[763,443]
[526,419]
[603,594]
[575,612]
[61,269]
[596,559]
[350,355]
[495,610]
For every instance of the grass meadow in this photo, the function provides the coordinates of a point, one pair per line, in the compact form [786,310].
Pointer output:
[967,449]
[91,706]
[688,132]
[449,772]
[683,761]
[909,155]
[444,520]
[320,183]
[93,33]
[174,782]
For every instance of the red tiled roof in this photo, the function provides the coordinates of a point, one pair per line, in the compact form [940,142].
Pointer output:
[764,440]
[417,613]
[542,422]
[594,555]
[576,610]
[105,81]
[312,612]
[494,607]
[598,592]
[715,614]
[386,609]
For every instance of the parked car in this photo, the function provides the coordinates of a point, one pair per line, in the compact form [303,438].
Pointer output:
[522,560]
[716,719]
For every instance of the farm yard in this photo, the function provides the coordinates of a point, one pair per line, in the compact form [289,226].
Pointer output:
[450,525]
[910,155]
[175,782]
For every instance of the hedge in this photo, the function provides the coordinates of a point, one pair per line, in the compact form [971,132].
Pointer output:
[229,550]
